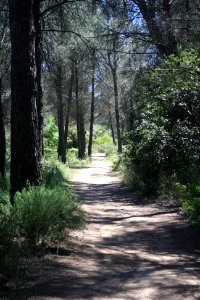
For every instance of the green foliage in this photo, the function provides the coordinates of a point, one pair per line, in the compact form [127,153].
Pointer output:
[40,214]
[105,138]
[103,141]
[11,249]
[54,173]
[72,141]
[73,161]
[191,205]
[44,214]
[50,133]
[165,141]
[3,183]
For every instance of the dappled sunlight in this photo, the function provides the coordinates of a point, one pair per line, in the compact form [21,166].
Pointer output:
[130,248]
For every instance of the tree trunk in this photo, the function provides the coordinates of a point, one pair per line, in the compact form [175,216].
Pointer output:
[25,134]
[131,115]
[79,119]
[60,115]
[111,127]
[92,107]
[115,83]
[38,58]
[113,67]
[2,137]
[69,105]
[165,45]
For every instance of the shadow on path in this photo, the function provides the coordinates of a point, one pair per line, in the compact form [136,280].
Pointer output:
[130,249]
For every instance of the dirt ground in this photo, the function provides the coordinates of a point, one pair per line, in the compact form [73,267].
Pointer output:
[130,249]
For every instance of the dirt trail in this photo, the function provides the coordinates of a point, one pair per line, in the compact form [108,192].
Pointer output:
[129,249]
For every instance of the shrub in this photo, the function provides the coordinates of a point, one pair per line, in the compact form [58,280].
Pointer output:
[104,144]
[132,178]
[53,174]
[73,161]
[72,141]
[50,132]
[105,138]
[191,205]
[43,214]
[165,139]
[10,247]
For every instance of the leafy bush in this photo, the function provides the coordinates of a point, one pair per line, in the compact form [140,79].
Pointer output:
[44,214]
[72,141]
[191,205]
[131,178]
[50,133]
[103,142]
[73,161]
[53,174]
[165,139]
[11,248]
[105,138]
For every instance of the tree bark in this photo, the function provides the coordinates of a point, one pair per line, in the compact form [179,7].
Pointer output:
[25,134]
[2,137]
[79,118]
[38,58]
[92,106]
[165,45]
[116,96]
[113,67]
[69,105]
[60,114]
[111,127]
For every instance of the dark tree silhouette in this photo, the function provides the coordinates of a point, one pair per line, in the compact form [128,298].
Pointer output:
[2,137]
[25,132]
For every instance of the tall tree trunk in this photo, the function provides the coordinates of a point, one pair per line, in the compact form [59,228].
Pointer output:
[111,127]
[92,95]
[92,107]
[188,25]
[60,114]
[82,142]
[113,67]
[116,96]
[2,137]
[69,105]
[38,58]
[79,118]
[131,115]
[25,134]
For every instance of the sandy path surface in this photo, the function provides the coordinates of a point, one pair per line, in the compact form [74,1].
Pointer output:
[129,249]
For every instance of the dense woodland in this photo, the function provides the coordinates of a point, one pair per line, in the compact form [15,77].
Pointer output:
[78,77]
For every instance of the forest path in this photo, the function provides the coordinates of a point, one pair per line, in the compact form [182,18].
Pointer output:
[129,249]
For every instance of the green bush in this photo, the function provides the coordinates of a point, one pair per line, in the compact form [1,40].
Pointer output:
[44,214]
[103,142]
[53,174]
[105,145]
[73,161]
[132,178]
[191,205]
[10,246]
[50,133]
[72,141]
[105,138]
[165,138]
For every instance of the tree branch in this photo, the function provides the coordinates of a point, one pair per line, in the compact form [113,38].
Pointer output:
[54,7]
